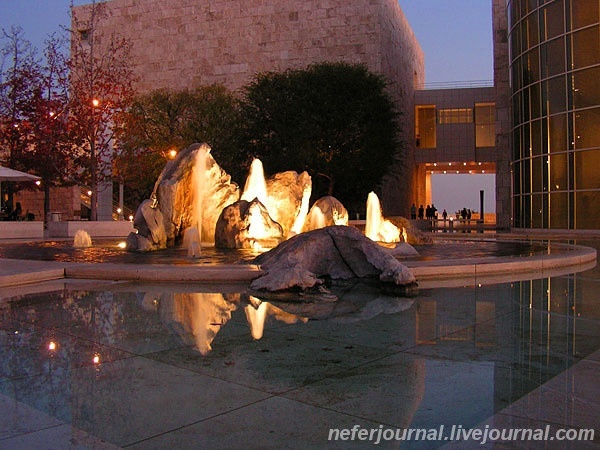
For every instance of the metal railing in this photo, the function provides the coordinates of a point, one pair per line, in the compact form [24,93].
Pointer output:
[457,84]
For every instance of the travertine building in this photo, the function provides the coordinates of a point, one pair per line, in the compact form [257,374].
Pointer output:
[185,43]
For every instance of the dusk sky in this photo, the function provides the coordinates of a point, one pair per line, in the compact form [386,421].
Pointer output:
[455,35]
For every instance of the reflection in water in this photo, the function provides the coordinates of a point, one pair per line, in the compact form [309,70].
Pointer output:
[258,311]
[198,317]
[450,356]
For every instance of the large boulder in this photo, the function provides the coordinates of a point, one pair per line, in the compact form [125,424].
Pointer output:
[288,195]
[191,191]
[149,223]
[325,212]
[194,188]
[338,252]
[246,224]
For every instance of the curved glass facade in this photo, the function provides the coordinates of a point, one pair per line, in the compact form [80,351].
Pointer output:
[555,79]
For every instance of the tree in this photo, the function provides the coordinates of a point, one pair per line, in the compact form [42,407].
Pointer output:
[50,139]
[164,120]
[19,74]
[101,90]
[334,120]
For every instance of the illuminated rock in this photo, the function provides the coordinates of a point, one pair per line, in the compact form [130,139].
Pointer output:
[337,252]
[325,212]
[247,225]
[288,198]
[149,223]
[191,191]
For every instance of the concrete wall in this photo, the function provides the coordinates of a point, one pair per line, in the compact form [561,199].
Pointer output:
[455,142]
[110,228]
[21,230]
[63,200]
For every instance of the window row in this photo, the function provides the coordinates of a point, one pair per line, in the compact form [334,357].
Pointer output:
[558,210]
[531,26]
[560,172]
[427,117]
[558,56]
[577,130]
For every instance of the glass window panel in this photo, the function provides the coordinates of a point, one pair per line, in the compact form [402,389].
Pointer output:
[535,101]
[526,140]
[586,88]
[586,47]
[456,115]
[524,33]
[526,211]
[537,180]
[537,211]
[517,109]
[558,133]
[559,172]
[532,5]
[554,18]
[587,211]
[515,41]
[516,144]
[525,107]
[531,72]
[517,179]
[485,125]
[516,75]
[532,30]
[553,57]
[559,210]
[586,128]
[526,175]
[536,138]
[584,12]
[587,171]
[517,213]
[425,127]
[555,95]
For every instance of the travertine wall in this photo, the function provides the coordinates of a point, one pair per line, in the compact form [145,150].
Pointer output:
[185,43]
[63,200]
[503,115]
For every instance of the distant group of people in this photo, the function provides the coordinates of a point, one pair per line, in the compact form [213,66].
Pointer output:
[15,214]
[430,212]
[466,214]
[425,213]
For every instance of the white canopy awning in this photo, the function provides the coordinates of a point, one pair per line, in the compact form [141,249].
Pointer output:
[7,174]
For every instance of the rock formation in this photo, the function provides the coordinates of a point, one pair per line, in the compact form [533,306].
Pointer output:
[288,197]
[325,212]
[191,191]
[247,225]
[338,252]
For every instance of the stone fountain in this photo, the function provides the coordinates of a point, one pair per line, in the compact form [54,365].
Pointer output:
[194,197]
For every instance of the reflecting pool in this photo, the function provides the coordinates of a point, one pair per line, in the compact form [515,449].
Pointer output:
[199,366]
[108,251]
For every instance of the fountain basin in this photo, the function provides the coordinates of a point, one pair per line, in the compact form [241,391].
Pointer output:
[535,260]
